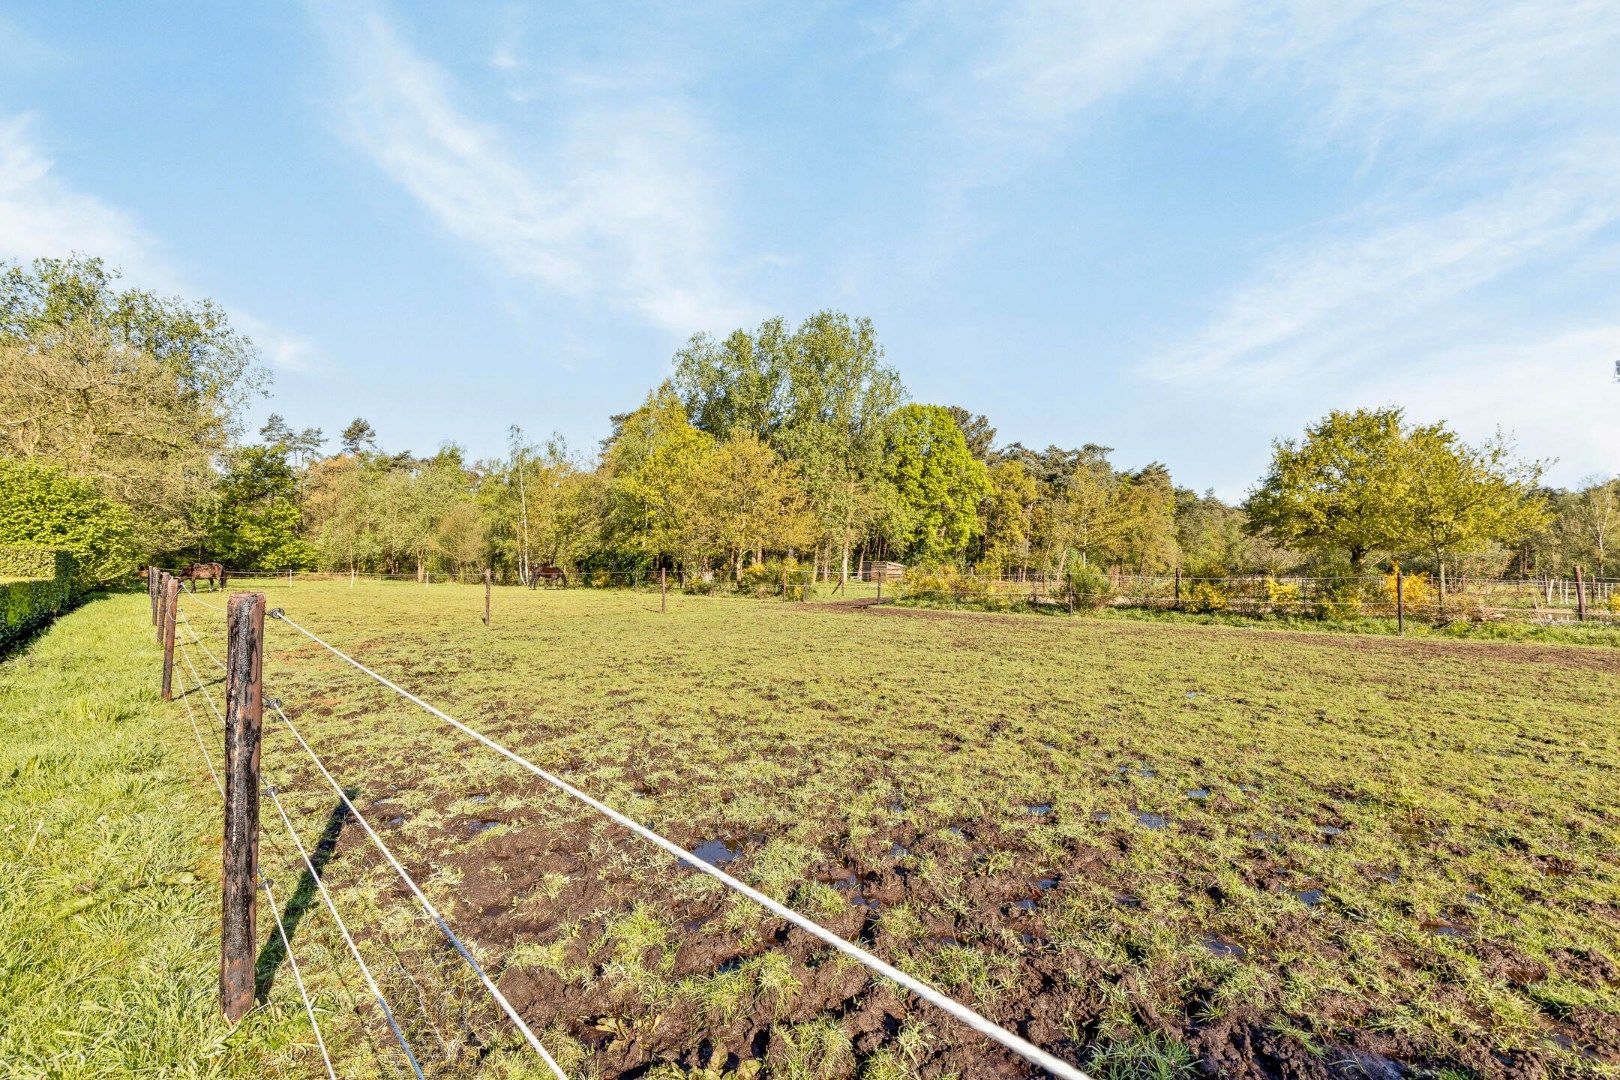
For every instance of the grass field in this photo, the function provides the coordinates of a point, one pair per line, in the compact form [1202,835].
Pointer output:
[1151,848]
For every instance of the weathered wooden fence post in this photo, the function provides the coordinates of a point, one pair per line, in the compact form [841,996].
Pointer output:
[171,608]
[244,710]
[163,585]
[1400,601]
[1178,588]
[880,585]
[663,590]
[487,584]
[1580,595]
[152,590]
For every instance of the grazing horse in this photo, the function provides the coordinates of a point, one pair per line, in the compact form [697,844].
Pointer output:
[549,574]
[213,571]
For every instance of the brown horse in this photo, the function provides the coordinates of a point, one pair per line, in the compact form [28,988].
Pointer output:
[549,574]
[213,571]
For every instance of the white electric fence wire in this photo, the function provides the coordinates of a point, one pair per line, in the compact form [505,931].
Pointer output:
[427,905]
[292,962]
[192,599]
[990,1030]
[185,699]
[197,641]
[343,929]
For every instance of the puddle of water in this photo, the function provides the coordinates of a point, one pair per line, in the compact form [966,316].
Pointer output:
[1473,898]
[1263,837]
[1039,809]
[1330,830]
[899,851]
[715,852]
[1564,1042]
[1220,946]
[1023,905]
[939,940]
[1442,928]
[1311,897]
[1127,900]
[956,830]
[480,826]
[1100,816]
[1247,789]
[866,902]
[385,802]
[479,798]
[1191,694]
[395,822]
[844,884]
[693,926]
[1032,941]
[1045,883]
[1391,876]
[1198,793]
[1150,820]
[897,807]
[1138,770]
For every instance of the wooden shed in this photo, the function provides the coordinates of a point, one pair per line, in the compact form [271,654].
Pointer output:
[882,571]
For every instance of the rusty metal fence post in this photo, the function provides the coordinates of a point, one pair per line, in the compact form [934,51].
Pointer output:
[1580,595]
[244,711]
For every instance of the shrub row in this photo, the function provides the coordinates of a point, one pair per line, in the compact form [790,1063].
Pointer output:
[45,589]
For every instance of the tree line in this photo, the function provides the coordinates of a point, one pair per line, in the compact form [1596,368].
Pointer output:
[121,438]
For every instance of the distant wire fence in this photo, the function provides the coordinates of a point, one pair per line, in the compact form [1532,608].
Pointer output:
[774,582]
[1398,596]
[1544,600]
[241,781]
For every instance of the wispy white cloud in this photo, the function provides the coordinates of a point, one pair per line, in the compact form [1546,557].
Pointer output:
[619,207]
[41,215]
[1368,292]
[1489,140]
[1557,388]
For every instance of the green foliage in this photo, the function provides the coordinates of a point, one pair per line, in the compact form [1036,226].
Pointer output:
[1336,491]
[1339,600]
[1153,1056]
[1206,597]
[1282,597]
[44,589]
[938,485]
[41,507]
[254,522]
[1089,586]
[133,392]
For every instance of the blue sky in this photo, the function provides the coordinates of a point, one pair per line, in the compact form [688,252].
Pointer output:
[1177,229]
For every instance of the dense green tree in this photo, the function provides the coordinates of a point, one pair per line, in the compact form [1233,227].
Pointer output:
[1456,499]
[736,386]
[1008,517]
[1339,490]
[976,429]
[839,405]
[359,437]
[134,393]
[937,482]
[41,506]
[254,523]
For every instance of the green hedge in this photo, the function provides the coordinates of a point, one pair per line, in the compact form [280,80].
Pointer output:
[45,590]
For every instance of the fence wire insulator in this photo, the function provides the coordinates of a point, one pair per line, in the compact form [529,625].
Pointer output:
[984,1026]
